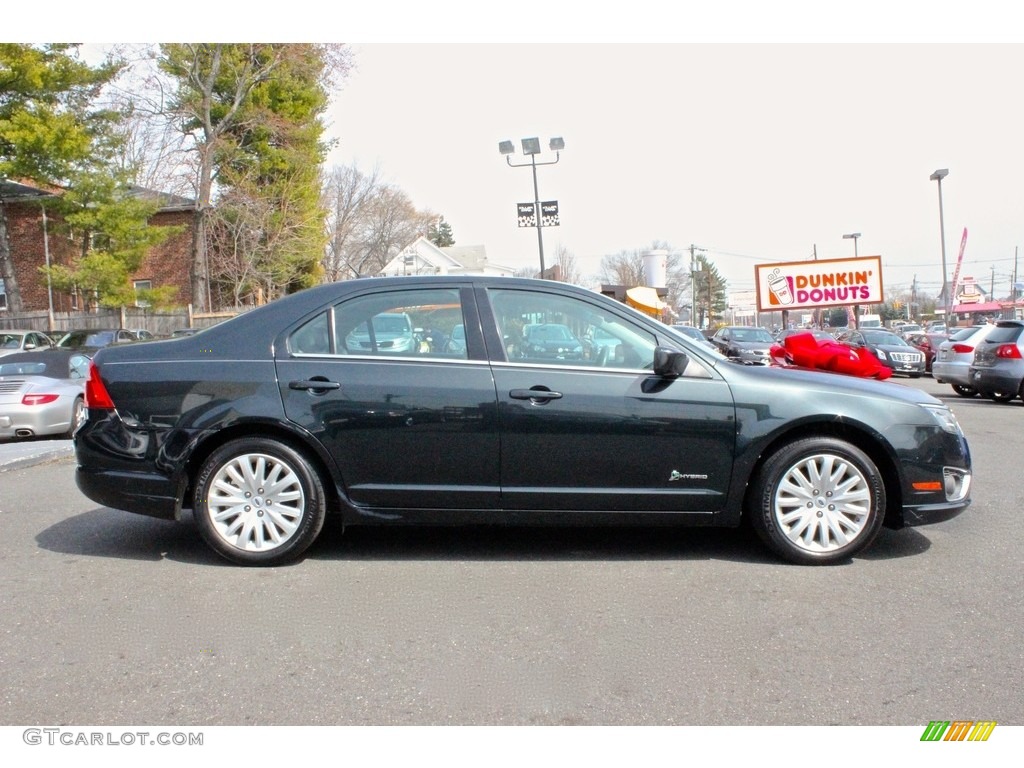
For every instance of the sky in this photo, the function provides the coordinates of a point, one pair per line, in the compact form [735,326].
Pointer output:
[758,133]
[753,153]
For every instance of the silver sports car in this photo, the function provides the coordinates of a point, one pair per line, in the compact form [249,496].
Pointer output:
[42,393]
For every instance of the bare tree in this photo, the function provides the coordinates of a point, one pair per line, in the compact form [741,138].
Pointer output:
[568,270]
[370,223]
[623,268]
[627,268]
[348,195]
[154,152]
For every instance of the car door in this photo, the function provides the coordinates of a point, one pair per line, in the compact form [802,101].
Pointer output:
[603,433]
[409,429]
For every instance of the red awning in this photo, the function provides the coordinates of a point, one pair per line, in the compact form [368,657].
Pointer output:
[988,306]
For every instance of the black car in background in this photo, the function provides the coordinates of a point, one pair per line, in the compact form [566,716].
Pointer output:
[268,422]
[748,344]
[94,338]
[892,351]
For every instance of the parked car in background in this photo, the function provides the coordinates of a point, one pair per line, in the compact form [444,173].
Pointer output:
[928,343]
[262,440]
[389,333]
[817,333]
[178,333]
[554,340]
[870,321]
[908,328]
[892,351]
[94,338]
[42,393]
[693,333]
[457,342]
[998,368]
[142,334]
[952,364]
[748,344]
[16,340]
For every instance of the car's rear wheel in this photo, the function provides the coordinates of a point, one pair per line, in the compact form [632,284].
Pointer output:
[964,391]
[77,416]
[259,502]
[818,500]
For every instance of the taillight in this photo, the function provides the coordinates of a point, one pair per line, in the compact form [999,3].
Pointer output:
[962,349]
[96,395]
[1008,352]
[38,399]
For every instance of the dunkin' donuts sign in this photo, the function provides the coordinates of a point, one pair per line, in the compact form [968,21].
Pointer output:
[827,283]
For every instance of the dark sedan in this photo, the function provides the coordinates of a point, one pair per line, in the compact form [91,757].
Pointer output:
[893,351]
[268,422]
[94,338]
[745,343]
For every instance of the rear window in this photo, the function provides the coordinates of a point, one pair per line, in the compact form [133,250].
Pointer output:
[1005,334]
[23,369]
[965,333]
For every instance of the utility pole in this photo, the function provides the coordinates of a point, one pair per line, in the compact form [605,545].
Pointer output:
[1014,286]
[693,285]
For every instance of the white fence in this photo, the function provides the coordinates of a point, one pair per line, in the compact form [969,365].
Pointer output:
[159,323]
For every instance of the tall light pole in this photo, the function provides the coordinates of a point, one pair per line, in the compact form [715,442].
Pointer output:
[531,148]
[938,176]
[856,307]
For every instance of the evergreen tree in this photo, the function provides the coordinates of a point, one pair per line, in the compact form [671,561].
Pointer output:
[440,234]
[50,129]
[255,111]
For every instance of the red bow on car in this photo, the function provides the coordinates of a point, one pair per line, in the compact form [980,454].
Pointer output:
[804,351]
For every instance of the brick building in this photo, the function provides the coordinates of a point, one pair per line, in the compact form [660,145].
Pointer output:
[35,236]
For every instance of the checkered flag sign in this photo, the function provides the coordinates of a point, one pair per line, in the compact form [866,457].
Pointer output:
[527,215]
[549,213]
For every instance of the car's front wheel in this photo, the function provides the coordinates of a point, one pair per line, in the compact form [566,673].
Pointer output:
[965,391]
[259,502]
[818,500]
[1002,397]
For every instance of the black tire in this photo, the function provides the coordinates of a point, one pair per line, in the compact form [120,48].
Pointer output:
[1002,397]
[245,519]
[964,391]
[817,501]
[77,417]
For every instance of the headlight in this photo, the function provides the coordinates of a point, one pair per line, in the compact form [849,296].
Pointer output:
[945,418]
[881,354]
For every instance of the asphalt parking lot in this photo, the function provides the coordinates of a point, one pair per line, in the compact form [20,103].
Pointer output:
[112,618]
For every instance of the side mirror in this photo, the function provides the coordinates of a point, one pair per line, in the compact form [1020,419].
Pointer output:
[669,363]
[29,345]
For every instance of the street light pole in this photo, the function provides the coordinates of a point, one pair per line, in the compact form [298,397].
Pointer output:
[856,307]
[531,147]
[938,176]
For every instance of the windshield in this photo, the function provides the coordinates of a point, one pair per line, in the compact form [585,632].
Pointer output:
[551,333]
[884,338]
[752,335]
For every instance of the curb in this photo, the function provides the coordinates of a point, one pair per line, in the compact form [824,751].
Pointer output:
[42,456]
